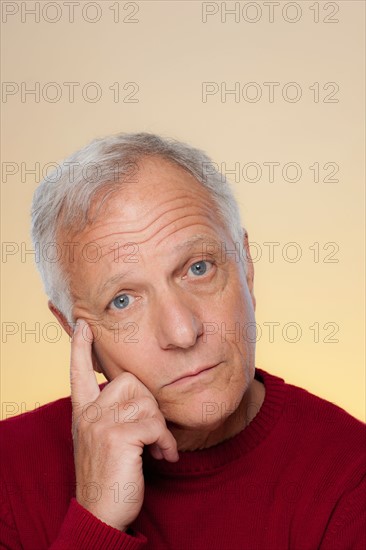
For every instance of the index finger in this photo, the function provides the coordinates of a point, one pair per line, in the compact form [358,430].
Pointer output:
[84,385]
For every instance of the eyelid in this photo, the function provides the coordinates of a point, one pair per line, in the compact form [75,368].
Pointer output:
[207,260]
[120,293]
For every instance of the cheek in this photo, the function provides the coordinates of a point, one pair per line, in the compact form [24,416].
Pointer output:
[112,351]
[231,306]
[241,302]
[123,351]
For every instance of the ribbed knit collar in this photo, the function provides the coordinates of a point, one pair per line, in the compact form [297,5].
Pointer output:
[205,460]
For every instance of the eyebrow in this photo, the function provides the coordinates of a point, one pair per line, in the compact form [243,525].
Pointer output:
[112,281]
[190,243]
[187,245]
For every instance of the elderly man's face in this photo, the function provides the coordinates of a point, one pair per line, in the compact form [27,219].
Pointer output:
[168,305]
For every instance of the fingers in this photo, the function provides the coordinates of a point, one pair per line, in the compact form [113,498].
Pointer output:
[152,431]
[155,451]
[168,446]
[84,385]
[139,412]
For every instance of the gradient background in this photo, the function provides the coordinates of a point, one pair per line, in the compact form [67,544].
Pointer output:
[169,52]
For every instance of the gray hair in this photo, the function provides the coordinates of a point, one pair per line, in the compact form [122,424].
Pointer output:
[62,201]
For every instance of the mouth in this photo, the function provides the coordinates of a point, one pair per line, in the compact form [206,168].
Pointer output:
[193,376]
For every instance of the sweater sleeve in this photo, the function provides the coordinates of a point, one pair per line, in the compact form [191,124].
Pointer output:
[346,529]
[9,538]
[81,530]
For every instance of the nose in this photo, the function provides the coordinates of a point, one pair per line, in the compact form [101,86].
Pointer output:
[175,323]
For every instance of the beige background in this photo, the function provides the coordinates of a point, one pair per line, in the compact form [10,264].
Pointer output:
[169,52]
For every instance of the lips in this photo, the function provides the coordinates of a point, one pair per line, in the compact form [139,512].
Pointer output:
[193,374]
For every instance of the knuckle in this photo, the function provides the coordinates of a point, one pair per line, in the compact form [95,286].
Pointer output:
[155,423]
[145,404]
[127,377]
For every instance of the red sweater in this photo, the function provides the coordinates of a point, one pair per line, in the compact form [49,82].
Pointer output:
[294,479]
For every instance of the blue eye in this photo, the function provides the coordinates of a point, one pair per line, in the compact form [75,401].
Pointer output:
[199,268]
[121,301]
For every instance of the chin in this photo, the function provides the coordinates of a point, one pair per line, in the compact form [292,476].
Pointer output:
[204,410]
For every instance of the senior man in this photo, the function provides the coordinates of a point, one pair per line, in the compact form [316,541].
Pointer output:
[187,445]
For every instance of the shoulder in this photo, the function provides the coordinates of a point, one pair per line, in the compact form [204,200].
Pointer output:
[319,429]
[323,416]
[29,433]
[301,405]
[47,425]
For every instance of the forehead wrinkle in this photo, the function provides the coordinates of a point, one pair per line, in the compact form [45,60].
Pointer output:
[159,217]
[187,244]
[113,250]
[180,229]
[120,254]
[201,192]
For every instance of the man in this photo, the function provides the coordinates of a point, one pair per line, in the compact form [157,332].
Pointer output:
[187,445]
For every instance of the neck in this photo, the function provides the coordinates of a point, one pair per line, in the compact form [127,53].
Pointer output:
[195,439]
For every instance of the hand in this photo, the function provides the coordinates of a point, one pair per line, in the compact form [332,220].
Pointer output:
[110,428]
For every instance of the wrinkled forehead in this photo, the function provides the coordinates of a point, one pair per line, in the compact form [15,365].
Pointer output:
[152,183]
[155,187]
[159,200]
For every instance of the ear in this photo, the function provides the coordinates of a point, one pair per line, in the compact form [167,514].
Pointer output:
[61,318]
[249,266]
[64,323]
